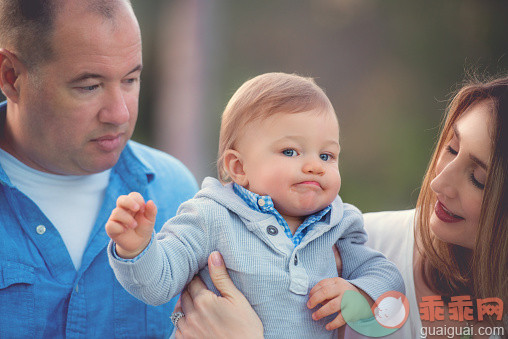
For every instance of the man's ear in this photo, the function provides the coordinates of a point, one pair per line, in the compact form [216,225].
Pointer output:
[233,164]
[10,68]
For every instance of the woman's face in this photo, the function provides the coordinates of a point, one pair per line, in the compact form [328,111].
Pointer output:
[461,172]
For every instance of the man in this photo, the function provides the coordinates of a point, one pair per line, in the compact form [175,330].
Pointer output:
[70,70]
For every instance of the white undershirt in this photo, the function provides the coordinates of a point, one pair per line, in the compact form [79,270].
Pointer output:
[70,202]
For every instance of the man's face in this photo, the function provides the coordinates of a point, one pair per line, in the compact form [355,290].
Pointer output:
[78,110]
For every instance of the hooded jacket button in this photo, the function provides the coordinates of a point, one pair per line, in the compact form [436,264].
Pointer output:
[272,230]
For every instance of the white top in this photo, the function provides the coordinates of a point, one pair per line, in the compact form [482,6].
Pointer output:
[392,233]
[70,202]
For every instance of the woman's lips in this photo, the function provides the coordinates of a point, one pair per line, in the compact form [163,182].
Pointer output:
[444,215]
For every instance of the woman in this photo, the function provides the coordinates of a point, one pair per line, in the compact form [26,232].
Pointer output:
[456,246]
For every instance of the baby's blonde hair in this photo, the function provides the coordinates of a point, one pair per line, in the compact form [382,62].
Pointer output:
[261,97]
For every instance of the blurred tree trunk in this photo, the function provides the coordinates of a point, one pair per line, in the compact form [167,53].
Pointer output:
[184,116]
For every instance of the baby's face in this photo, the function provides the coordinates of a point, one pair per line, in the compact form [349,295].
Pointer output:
[293,158]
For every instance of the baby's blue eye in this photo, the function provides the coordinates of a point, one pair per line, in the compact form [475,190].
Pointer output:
[289,152]
[324,157]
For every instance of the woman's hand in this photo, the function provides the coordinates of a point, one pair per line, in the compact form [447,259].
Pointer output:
[210,316]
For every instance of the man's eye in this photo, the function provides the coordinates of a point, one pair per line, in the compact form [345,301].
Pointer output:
[289,152]
[131,80]
[90,88]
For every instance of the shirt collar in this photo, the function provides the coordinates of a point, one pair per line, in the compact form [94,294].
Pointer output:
[4,179]
[132,166]
[260,203]
[264,204]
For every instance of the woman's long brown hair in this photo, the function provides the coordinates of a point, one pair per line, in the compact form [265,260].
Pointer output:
[452,270]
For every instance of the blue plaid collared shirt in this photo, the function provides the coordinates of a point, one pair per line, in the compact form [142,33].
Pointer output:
[264,204]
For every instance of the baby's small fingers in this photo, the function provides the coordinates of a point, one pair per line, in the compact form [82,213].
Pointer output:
[336,323]
[129,202]
[137,197]
[321,293]
[114,229]
[324,283]
[150,211]
[123,217]
[329,308]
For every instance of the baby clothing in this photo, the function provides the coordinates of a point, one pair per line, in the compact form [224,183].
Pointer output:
[272,272]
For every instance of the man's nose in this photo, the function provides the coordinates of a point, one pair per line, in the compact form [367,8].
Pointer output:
[115,110]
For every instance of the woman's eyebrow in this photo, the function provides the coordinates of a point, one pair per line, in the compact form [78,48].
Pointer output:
[456,131]
[478,161]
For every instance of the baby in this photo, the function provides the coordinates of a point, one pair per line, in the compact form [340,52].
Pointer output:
[275,216]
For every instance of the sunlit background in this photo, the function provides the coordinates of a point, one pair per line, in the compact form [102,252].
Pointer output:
[387,66]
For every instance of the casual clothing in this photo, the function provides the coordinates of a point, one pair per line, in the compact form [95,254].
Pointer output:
[264,204]
[273,273]
[392,233]
[71,202]
[41,293]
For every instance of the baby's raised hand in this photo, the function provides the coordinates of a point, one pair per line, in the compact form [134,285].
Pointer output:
[328,293]
[130,224]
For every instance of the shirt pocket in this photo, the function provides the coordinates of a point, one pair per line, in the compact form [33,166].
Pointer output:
[17,301]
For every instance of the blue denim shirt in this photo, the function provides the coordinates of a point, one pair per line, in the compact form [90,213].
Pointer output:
[41,293]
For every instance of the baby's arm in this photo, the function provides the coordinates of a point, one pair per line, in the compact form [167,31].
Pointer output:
[328,292]
[363,270]
[130,225]
[172,257]
[362,266]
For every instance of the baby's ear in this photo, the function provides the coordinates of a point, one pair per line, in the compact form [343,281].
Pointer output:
[233,165]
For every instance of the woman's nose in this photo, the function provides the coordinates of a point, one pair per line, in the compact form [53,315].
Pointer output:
[445,182]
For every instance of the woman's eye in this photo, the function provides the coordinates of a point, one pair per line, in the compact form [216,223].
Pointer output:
[476,182]
[289,152]
[451,150]
[325,157]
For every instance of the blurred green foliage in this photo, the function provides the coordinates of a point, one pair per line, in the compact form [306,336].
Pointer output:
[388,67]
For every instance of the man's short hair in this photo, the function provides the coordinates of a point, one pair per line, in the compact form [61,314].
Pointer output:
[26,26]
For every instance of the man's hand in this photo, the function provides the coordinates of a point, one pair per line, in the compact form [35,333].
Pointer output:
[131,224]
[210,316]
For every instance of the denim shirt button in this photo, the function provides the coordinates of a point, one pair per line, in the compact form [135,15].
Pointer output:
[261,202]
[41,229]
[272,230]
